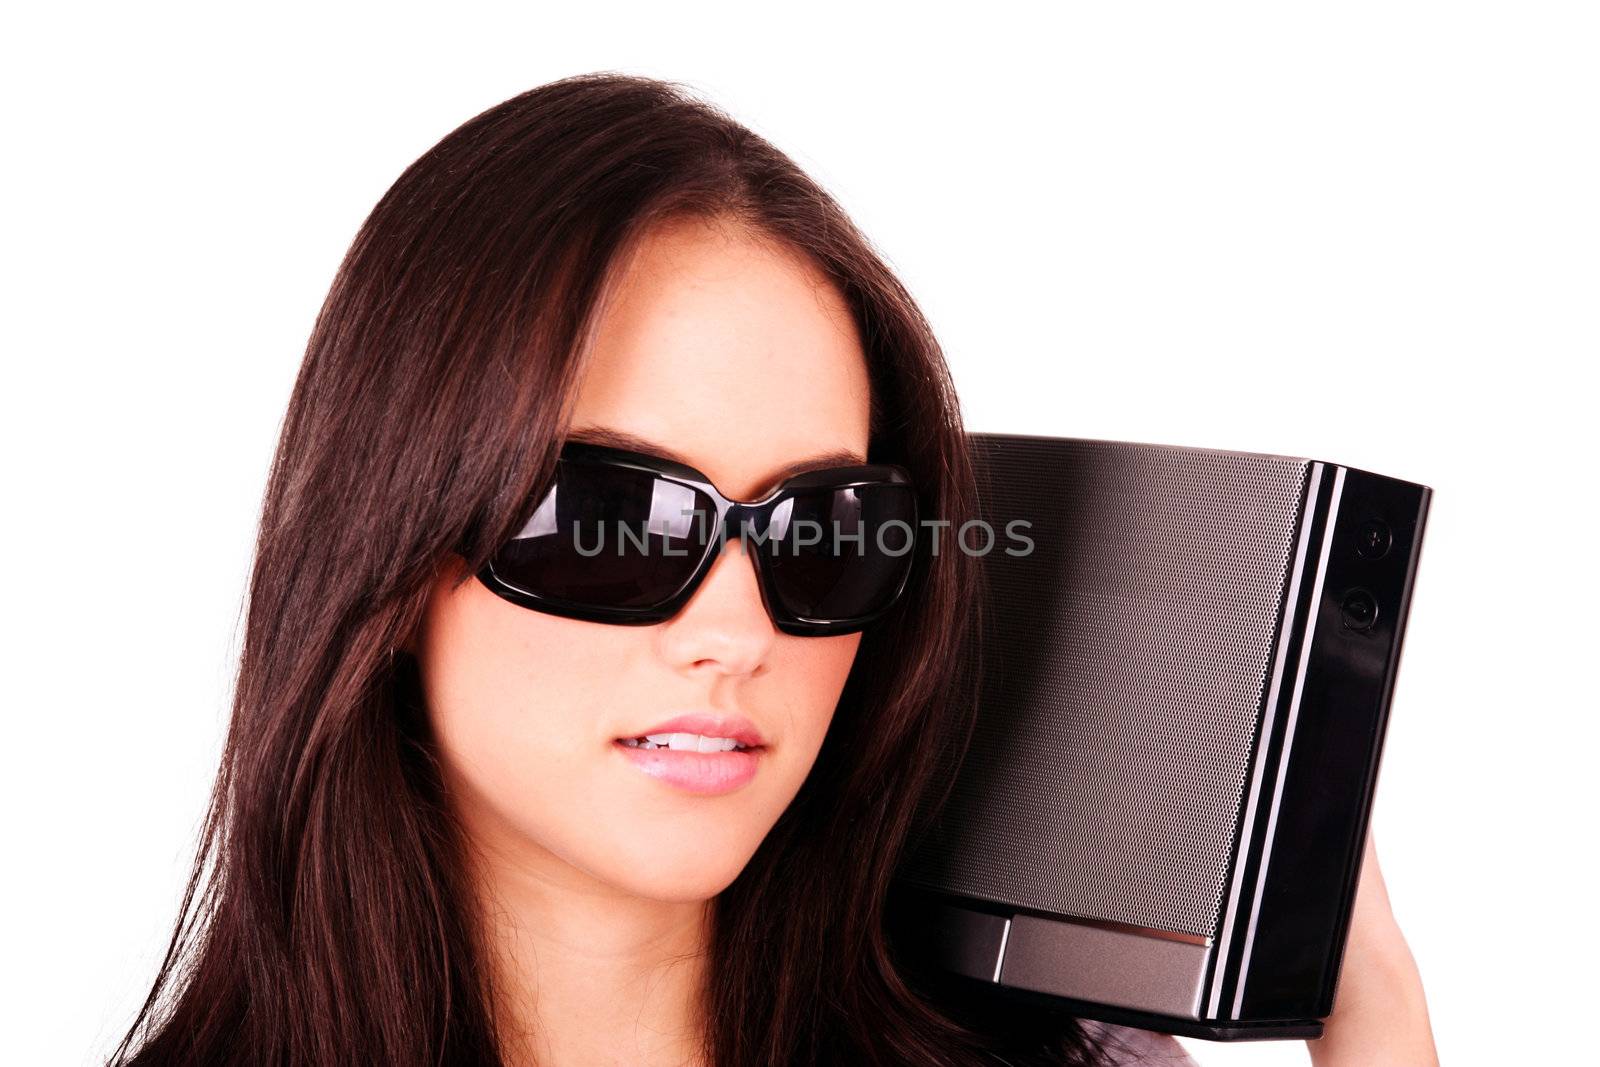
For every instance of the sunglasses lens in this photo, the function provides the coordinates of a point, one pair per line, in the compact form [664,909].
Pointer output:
[609,537]
[838,555]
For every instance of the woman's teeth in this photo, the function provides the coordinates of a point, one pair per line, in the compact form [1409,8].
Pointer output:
[684,743]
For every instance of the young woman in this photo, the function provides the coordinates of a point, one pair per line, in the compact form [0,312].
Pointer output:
[444,830]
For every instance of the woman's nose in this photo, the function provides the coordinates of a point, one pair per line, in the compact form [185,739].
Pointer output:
[724,627]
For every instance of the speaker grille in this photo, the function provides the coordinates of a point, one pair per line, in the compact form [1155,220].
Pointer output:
[1123,667]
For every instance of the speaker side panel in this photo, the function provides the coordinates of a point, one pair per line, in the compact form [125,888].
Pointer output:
[1295,941]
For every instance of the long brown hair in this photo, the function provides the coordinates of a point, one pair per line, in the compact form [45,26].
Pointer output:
[328,919]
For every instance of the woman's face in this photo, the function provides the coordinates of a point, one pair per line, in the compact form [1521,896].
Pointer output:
[739,358]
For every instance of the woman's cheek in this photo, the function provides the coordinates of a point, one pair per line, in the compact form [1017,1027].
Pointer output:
[506,691]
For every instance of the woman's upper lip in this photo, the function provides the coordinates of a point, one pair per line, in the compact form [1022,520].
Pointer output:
[707,724]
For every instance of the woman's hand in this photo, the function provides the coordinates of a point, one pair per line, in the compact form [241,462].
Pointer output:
[1380,1018]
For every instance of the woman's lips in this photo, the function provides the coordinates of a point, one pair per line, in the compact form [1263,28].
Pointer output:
[699,773]
[709,724]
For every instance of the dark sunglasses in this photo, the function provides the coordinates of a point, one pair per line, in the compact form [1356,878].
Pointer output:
[624,537]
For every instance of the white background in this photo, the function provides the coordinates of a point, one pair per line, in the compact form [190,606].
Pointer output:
[1366,233]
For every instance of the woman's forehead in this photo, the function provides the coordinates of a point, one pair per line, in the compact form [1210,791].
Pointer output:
[731,353]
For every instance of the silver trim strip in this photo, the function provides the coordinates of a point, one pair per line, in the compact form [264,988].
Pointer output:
[1268,716]
[1106,966]
[1288,737]
[1000,957]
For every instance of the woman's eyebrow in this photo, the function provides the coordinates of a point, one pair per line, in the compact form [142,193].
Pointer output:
[604,435]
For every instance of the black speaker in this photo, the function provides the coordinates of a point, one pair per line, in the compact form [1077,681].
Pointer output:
[1184,659]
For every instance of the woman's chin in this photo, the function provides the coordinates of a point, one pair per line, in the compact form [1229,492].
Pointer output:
[669,874]
[688,864]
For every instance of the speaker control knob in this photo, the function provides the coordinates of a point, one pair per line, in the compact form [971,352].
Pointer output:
[1360,610]
[1373,539]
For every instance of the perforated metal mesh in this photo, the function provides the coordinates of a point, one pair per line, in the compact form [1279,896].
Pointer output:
[1124,667]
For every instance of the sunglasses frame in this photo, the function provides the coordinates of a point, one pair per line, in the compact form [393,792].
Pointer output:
[731,516]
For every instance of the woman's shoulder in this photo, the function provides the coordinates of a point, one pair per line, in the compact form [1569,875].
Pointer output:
[1127,1046]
